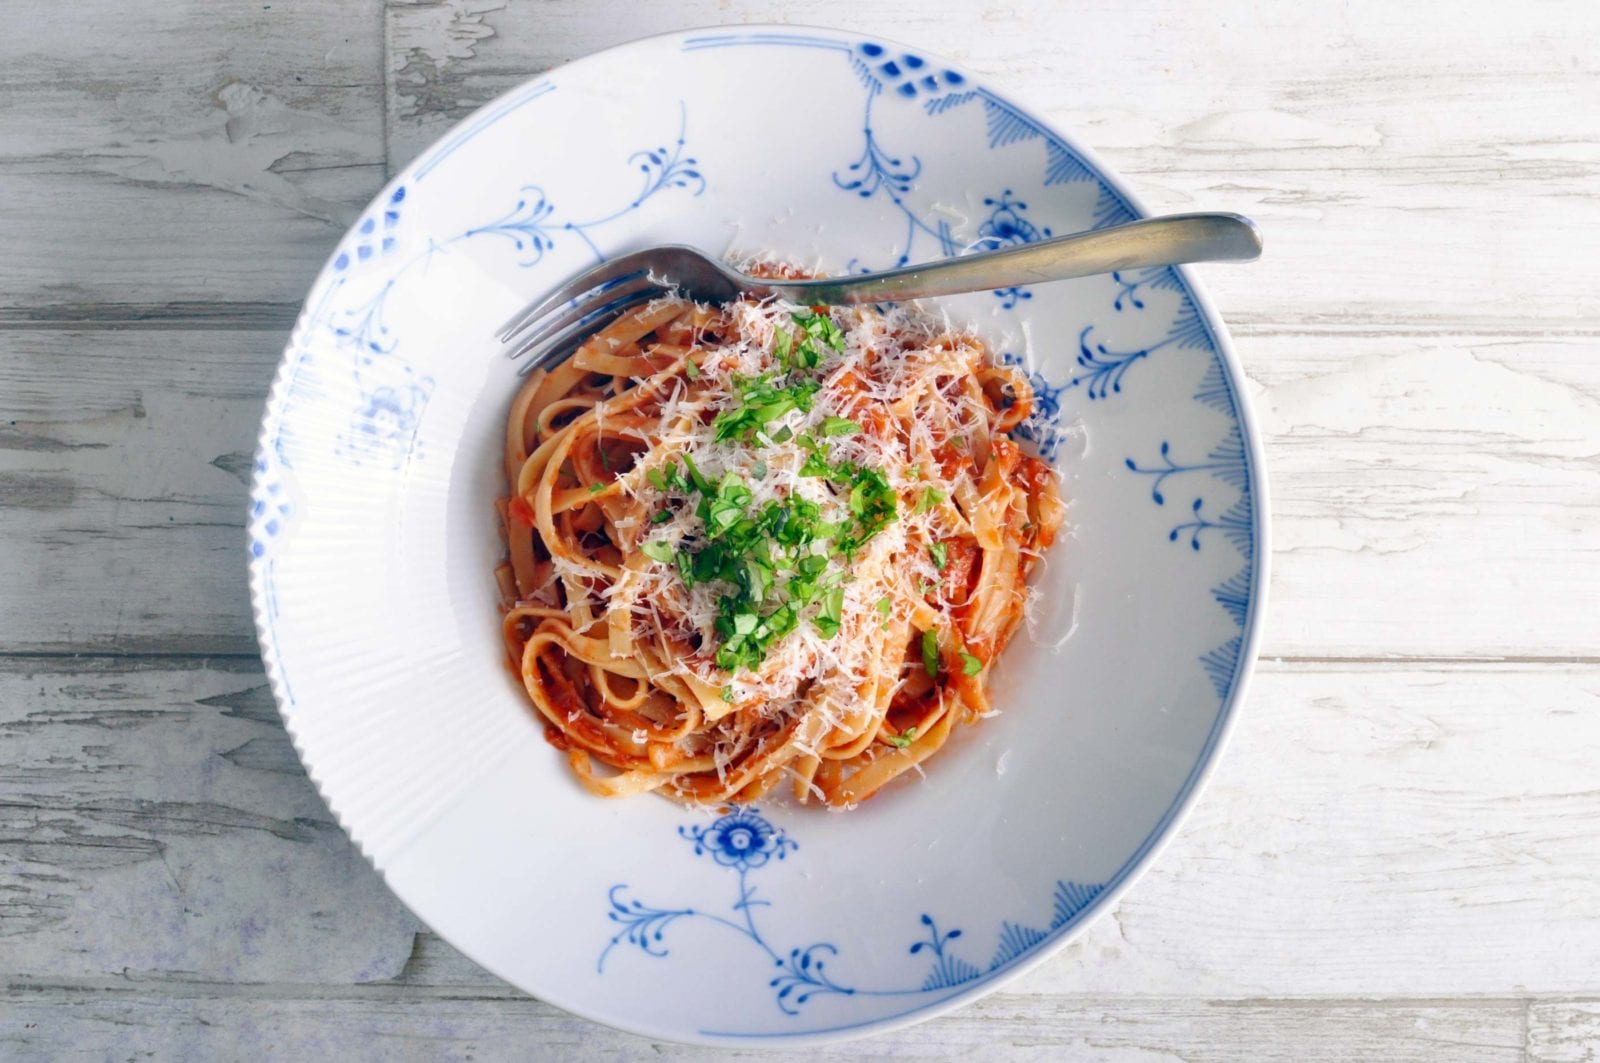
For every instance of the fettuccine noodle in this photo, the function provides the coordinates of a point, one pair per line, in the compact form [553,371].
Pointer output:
[762,544]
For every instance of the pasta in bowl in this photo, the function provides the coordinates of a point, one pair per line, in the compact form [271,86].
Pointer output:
[700,616]
[767,542]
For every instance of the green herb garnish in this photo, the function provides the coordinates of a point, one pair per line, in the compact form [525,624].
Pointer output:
[820,327]
[760,403]
[839,426]
[970,664]
[693,473]
[940,554]
[930,653]
[901,741]
[831,612]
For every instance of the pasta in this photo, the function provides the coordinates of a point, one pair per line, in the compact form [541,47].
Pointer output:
[765,544]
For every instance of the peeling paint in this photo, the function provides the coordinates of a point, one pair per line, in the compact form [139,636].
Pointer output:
[426,42]
[236,150]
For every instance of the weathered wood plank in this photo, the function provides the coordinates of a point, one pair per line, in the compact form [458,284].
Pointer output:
[154,825]
[1455,474]
[154,820]
[1431,495]
[35,1023]
[1427,833]
[1566,1031]
[155,153]
[1421,343]
[1464,145]
[124,458]
[1374,827]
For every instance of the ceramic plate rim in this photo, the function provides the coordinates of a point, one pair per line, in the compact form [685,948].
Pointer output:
[1210,754]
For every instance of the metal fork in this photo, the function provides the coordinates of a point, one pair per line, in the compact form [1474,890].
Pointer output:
[550,329]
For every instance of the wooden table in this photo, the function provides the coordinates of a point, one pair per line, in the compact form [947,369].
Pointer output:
[1400,855]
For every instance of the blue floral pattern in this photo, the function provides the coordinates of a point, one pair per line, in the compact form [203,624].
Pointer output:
[1208,488]
[533,225]
[383,424]
[740,839]
[374,236]
[1043,426]
[744,841]
[269,506]
[1008,226]
[1103,366]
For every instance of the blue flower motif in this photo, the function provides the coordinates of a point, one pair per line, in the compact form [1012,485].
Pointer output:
[740,839]
[392,395]
[743,841]
[1006,226]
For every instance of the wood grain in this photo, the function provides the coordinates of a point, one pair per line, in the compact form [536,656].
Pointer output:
[1402,817]
[155,823]
[1396,859]
[1407,166]
[124,458]
[124,455]
[162,153]
[1564,1032]
[205,1024]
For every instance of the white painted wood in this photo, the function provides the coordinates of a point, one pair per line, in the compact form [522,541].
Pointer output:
[153,153]
[124,458]
[1433,495]
[1419,163]
[1397,857]
[1453,473]
[1564,1032]
[1367,815]
[36,1022]
[155,823]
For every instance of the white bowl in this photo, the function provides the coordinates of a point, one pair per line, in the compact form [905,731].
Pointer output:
[372,545]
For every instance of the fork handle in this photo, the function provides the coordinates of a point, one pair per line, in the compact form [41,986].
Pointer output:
[1166,241]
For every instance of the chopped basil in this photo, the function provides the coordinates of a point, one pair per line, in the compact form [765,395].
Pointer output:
[776,557]
[695,478]
[970,664]
[930,653]
[940,554]
[839,426]
[828,617]
[901,741]
[665,478]
[760,403]
[657,550]
[820,327]
[931,496]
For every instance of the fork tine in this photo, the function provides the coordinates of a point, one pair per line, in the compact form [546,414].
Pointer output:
[536,332]
[597,278]
[549,348]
